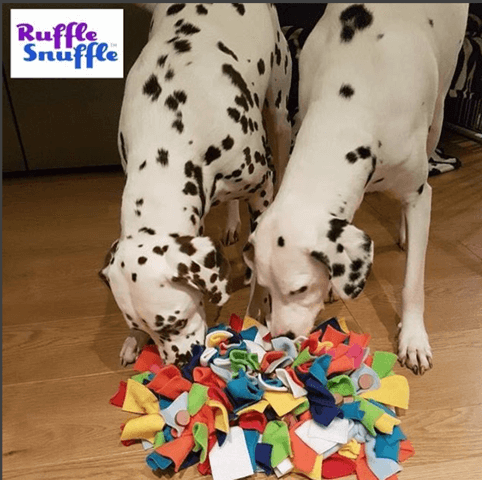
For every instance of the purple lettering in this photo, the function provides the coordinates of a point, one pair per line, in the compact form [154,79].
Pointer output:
[69,34]
[58,35]
[25,32]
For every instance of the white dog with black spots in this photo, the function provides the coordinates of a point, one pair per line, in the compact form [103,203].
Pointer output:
[373,79]
[203,121]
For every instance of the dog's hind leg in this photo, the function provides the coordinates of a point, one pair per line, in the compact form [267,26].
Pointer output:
[413,345]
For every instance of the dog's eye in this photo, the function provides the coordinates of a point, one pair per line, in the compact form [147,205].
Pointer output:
[300,290]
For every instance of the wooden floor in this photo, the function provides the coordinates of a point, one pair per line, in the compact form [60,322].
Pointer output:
[62,331]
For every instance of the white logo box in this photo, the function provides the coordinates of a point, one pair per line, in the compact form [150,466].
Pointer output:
[102,37]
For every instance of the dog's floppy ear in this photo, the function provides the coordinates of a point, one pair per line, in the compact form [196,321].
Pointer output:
[203,267]
[109,258]
[347,253]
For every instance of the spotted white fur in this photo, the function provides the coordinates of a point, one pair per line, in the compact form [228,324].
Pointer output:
[191,135]
[373,78]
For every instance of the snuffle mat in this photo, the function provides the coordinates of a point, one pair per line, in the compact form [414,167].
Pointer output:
[322,406]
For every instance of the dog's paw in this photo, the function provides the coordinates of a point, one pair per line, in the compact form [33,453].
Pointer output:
[414,349]
[133,345]
[331,296]
[231,234]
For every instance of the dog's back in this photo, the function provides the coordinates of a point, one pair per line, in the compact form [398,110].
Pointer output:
[182,82]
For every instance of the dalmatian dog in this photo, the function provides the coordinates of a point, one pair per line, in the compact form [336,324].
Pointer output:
[203,121]
[373,78]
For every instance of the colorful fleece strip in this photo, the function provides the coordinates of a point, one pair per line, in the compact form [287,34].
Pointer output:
[322,406]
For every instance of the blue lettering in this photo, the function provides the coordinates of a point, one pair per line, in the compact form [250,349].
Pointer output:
[30,51]
[91,51]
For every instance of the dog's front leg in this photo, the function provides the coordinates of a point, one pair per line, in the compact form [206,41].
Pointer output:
[413,346]
[233,224]
[133,346]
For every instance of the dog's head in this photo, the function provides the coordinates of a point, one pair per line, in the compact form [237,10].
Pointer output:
[159,284]
[297,265]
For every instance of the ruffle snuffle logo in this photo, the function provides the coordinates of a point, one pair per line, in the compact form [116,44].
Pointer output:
[57,45]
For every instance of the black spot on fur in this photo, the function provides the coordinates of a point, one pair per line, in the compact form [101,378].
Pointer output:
[340,248]
[256,99]
[349,289]
[188,29]
[380,36]
[354,276]
[228,143]
[261,67]
[180,96]
[123,147]
[152,88]
[238,81]
[182,46]
[364,152]
[141,260]
[338,269]
[185,245]
[158,250]
[234,114]
[176,8]
[134,277]
[149,231]
[430,22]
[346,91]
[226,50]
[178,125]
[190,189]
[420,189]
[379,180]
[321,257]
[239,8]
[210,259]
[281,241]
[337,225]
[241,101]
[171,103]
[244,124]
[278,100]
[162,157]
[161,61]
[212,153]
[352,157]
[201,9]
[195,268]
[356,264]
[140,202]
[143,165]
[353,18]
[169,75]
[277,53]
